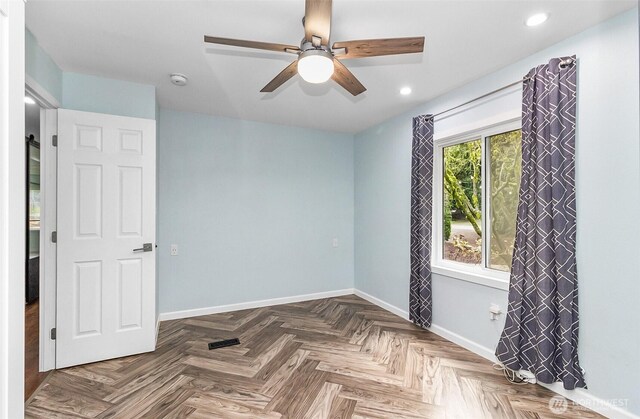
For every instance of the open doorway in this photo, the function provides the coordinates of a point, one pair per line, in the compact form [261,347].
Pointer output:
[33,376]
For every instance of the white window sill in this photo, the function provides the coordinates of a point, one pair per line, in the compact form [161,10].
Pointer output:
[476,275]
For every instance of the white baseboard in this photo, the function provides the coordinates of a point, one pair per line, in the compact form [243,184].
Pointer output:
[183,314]
[467,344]
[440,331]
[579,396]
[383,304]
[157,328]
[584,398]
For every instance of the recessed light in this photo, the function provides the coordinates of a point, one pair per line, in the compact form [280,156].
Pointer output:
[29,101]
[405,91]
[537,19]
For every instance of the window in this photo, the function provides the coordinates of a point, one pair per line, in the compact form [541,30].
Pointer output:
[478,175]
[505,165]
[462,209]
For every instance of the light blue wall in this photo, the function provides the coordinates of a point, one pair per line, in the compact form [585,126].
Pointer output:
[116,97]
[83,92]
[40,67]
[253,208]
[608,169]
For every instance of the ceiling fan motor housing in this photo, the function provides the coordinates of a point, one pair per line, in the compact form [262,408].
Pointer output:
[308,46]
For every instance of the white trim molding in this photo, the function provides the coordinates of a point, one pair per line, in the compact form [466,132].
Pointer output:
[584,398]
[438,330]
[42,95]
[467,344]
[183,314]
[48,224]
[48,195]
[471,275]
[475,126]
[579,396]
[382,304]
[12,210]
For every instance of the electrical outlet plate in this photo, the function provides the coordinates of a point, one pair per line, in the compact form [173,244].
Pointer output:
[527,376]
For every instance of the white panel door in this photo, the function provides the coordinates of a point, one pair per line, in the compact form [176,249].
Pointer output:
[106,214]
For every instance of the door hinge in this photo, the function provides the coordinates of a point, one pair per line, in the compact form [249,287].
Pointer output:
[54,140]
[53,334]
[54,237]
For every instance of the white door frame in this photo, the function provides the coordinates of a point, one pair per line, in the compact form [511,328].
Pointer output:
[12,210]
[48,195]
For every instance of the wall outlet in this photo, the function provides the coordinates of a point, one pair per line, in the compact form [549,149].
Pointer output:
[494,311]
[174,250]
[334,242]
[527,376]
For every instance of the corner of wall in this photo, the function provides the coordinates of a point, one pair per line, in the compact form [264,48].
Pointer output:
[84,92]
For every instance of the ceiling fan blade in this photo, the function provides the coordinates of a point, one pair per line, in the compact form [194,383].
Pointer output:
[346,79]
[377,47]
[251,44]
[281,78]
[317,20]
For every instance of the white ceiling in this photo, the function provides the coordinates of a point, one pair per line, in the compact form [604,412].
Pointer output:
[144,41]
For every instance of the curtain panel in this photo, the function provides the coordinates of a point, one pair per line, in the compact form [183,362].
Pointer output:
[541,330]
[421,213]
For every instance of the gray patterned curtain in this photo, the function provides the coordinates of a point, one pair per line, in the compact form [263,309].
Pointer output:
[421,184]
[541,330]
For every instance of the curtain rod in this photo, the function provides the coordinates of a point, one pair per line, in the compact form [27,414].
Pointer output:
[434,116]
[563,63]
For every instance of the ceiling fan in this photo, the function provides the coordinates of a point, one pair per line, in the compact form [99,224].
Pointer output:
[318,62]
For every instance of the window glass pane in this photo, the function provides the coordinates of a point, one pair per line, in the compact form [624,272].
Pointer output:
[505,163]
[462,229]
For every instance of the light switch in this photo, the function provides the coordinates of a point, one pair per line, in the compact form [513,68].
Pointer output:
[174,250]
[334,242]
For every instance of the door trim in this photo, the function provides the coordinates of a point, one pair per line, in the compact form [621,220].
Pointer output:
[48,255]
[48,199]
[12,234]
[40,94]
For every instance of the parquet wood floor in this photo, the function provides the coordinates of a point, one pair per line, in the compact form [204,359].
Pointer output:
[333,358]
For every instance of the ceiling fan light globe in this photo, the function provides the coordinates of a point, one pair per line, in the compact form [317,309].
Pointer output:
[315,66]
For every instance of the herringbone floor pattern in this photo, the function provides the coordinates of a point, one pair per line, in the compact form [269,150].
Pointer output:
[333,358]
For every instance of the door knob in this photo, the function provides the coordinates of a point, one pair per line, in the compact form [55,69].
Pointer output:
[146,247]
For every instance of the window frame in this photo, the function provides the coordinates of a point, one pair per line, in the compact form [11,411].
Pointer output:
[471,273]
